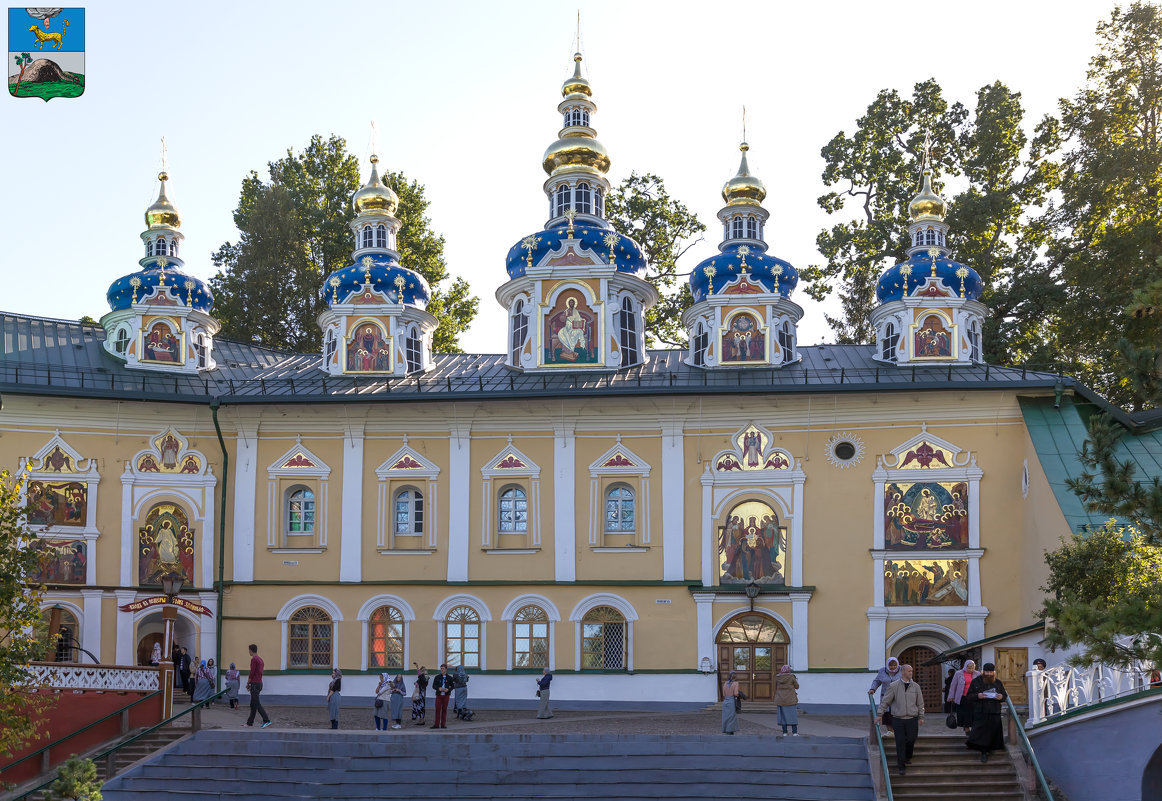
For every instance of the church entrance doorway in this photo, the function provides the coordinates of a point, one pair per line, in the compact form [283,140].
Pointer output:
[929,677]
[754,646]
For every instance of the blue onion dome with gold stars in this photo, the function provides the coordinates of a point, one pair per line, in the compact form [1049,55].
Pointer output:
[161,266]
[929,257]
[714,275]
[383,274]
[614,248]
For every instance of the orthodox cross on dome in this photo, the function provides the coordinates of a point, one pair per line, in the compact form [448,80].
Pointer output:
[399,284]
[743,251]
[962,273]
[374,138]
[710,273]
[933,252]
[135,282]
[570,215]
[334,282]
[164,158]
[744,123]
[161,265]
[367,263]
[610,240]
[926,155]
[189,285]
[530,243]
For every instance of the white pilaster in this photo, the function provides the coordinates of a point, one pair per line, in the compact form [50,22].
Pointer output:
[564,493]
[704,612]
[207,628]
[91,630]
[245,499]
[799,622]
[797,540]
[673,504]
[128,546]
[351,526]
[877,636]
[126,647]
[459,453]
[209,539]
[708,551]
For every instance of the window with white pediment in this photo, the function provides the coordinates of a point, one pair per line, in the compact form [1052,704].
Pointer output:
[407,496]
[619,488]
[511,484]
[297,487]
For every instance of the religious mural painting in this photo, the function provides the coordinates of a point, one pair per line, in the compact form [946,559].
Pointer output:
[753,451]
[168,454]
[162,343]
[61,562]
[571,332]
[926,582]
[743,339]
[369,349]
[932,338]
[57,461]
[57,503]
[925,516]
[165,545]
[752,545]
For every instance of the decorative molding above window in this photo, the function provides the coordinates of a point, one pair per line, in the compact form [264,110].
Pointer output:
[630,470]
[296,466]
[406,467]
[510,467]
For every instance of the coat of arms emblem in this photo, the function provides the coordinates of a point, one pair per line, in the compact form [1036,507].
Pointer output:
[46,52]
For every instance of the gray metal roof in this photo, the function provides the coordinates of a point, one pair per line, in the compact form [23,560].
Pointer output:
[41,356]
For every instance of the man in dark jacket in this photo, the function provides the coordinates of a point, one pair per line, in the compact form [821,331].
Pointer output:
[443,686]
[183,668]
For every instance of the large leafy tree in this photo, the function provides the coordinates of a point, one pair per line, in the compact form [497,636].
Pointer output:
[875,173]
[1109,221]
[641,208]
[293,232]
[19,616]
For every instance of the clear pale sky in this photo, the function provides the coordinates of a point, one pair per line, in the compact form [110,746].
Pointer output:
[465,96]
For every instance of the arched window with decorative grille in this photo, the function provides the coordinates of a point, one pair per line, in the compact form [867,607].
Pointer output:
[627,325]
[201,350]
[409,512]
[583,199]
[530,638]
[309,641]
[890,341]
[385,632]
[173,246]
[149,247]
[620,510]
[462,637]
[701,342]
[512,511]
[603,639]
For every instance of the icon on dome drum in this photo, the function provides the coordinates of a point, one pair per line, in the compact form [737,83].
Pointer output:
[46,52]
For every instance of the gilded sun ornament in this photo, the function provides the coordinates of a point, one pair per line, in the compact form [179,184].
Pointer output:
[906,270]
[530,243]
[962,273]
[400,282]
[933,252]
[161,265]
[610,240]
[367,263]
[334,282]
[710,273]
[845,450]
[570,215]
[189,285]
[743,251]
[135,282]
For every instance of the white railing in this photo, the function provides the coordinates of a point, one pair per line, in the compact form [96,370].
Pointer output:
[1062,688]
[64,676]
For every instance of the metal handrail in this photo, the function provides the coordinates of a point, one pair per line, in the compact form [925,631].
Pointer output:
[109,752]
[1016,721]
[871,701]
[55,743]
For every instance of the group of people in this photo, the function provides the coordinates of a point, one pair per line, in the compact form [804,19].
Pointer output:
[390,695]
[973,697]
[196,678]
[786,699]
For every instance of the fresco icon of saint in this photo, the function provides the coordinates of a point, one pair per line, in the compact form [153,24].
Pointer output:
[926,582]
[933,340]
[571,331]
[925,515]
[46,52]
[368,350]
[752,545]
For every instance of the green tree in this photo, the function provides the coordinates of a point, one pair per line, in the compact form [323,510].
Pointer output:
[19,616]
[293,232]
[1109,222]
[641,208]
[77,782]
[22,61]
[1105,591]
[877,168]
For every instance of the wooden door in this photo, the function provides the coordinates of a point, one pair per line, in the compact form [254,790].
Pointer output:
[754,667]
[1012,664]
[145,647]
[927,676]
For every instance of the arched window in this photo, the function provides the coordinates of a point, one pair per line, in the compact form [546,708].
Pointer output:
[413,350]
[701,341]
[603,639]
[173,247]
[599,202]
[752,228]
[201,350]
[368,234]
[583,199]
[520,330]
[409,512]
[462,637]
[974,341]
[309,640]
[889,342]
[300,511]
[149,247]
[512,511]
[627,324]
[65,645]
[620,517]
[736,227]
[331,345]
[121,341]
[562,199]
[530,638]
[385,638]
[381,236]
[787,341]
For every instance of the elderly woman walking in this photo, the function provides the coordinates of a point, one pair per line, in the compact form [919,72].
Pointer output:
[335,696]
[958,690]
[730,700]
[787,700]
[233,682]
[544,711]
[203,683]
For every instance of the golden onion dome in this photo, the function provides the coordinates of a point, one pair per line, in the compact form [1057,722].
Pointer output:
[927,205]
[162,212]
[375,195]
[576,85]
[743,187]
[577,152]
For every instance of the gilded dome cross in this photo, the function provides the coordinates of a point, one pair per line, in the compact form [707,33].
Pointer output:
[189,285]
[743,251]
[570,215]
[400,281]
[334,282]
[161,265]
[135,282]
[933,252]
[367,263]
[530,243]
[610,241]
[710,273]
[962,273]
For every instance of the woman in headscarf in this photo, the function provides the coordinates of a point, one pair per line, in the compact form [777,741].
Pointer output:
[233,681]
[729,699]
[155,657]
[419,695]
[212,673]
[987,692]
[956,692]
[203,684]
[334,696]
[887,674]
[398,691]
[460,683]
[787,700]
[382,701]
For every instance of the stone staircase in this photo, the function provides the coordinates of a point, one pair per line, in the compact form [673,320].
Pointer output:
[354,766]
[942,769]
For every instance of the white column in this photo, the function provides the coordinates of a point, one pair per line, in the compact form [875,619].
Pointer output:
[351,526]
[91,561]
[128,546]
[245,500]
[673,504]
[974,511]
[126,647]
[459,466]
[797,538]
[877,635]
[209,537]
[708,552]
[208,628]
[800,637]
[91,631]
[878,519]
[704,613]
[564,494]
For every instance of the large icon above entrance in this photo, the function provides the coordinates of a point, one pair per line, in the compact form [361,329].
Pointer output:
[752,545]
